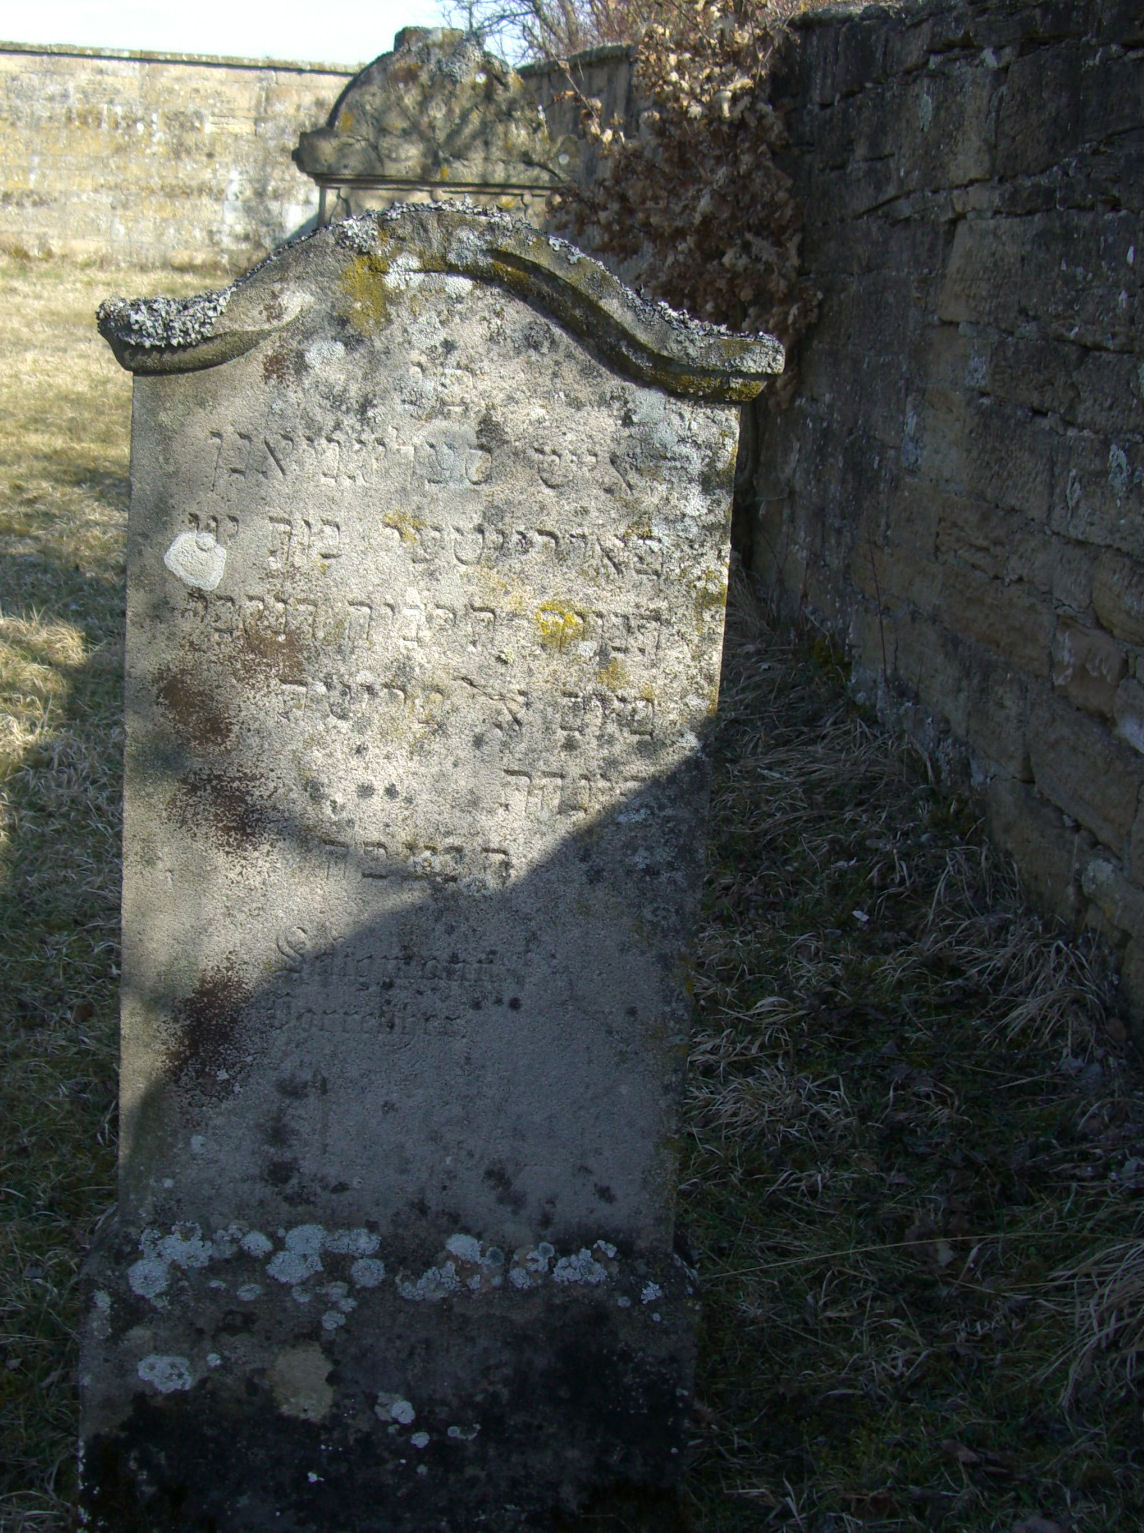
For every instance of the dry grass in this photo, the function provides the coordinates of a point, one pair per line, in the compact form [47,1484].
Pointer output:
[64,424]
[915,1147]
[914,1153]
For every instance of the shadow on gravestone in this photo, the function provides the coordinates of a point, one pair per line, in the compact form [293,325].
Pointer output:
[426,578]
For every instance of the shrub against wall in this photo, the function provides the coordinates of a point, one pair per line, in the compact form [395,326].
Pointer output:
[692,205]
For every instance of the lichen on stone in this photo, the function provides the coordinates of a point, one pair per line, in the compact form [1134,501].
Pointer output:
[163,322]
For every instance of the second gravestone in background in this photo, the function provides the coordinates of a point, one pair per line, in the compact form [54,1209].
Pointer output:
[425,602]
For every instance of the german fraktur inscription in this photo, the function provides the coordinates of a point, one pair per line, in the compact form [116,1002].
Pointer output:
[427,562]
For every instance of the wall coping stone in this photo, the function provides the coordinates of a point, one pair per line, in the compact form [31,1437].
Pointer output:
[209,60]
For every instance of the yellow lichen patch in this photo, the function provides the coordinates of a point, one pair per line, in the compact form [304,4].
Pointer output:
[614,675]
[637,530]
[345,121]
[647,693]
[559,625]
[443,173]
[365,299]
[403,524]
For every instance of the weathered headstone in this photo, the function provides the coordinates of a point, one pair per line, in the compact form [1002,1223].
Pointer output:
[425,603]
[438,117]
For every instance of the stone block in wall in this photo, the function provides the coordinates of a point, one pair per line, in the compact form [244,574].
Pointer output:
[1119,900]
[973,532]
[871,639]
[1059,568]
[985,448]
[855,190]
[1098,490]
[1128,709]
[946,125]
[778,555]
[805,68]
[1087,388]
[1079,277]
[1057,268]
[822,594]
[1112,100]
[853,134]
[1012,621]
[868,246]
[781,442]
[1037,837]
[1136,845]
[864,476]
[1118,595]
[1088,666]
[874,311]
[982,283]
[884,383]
[1040,111]
[1079,767]
[858,57]
[997,714]
[1103,175]
[858,388]
[1120,21]
[912,573]
[929,661]
[1005,25]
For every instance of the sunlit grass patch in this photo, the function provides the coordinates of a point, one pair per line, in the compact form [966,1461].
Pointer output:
[64,430]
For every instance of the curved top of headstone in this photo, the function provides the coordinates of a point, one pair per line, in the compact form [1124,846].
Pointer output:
[437,111]
[369,262]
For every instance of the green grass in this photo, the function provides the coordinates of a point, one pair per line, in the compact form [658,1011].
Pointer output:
[914,1147]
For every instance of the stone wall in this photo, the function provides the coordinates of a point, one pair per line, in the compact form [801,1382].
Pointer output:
[956,494]
[151,159]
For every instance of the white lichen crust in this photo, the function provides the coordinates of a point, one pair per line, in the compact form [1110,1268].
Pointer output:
[646,339]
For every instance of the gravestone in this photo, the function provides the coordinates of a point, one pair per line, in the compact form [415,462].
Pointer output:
[426,574]
[438,117]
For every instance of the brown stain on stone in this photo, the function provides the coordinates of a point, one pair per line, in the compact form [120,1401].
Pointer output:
[229,808]
[261,657]
[196,713]
[207,1051]
[276,367]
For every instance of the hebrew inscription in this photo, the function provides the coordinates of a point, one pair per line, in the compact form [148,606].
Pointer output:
[433,628]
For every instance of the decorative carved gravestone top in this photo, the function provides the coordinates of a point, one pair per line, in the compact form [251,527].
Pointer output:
[425,600]
[439,115]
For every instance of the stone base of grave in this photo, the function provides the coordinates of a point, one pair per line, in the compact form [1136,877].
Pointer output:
[234,1387]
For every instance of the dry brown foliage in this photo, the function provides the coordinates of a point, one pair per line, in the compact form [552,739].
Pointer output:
[694,206]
